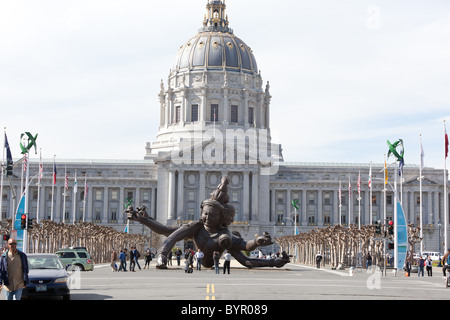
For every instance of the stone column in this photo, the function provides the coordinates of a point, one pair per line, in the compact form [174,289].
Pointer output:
[180,200]
[246,200]
[171,196]
[105,205]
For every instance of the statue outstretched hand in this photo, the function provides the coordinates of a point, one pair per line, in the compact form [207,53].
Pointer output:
[134,215]
[279,262]
[264,240]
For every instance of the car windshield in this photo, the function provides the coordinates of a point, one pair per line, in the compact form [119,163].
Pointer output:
[44,263]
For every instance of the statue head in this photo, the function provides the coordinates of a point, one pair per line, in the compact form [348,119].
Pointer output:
[216,212]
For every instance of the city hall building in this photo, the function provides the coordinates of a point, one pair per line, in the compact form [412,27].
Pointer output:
[215,121]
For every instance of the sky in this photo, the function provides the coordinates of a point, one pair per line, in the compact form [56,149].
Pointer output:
[345,75]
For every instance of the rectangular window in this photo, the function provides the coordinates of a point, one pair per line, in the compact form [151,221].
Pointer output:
[234,114]
[177,114]
[114,195]
[326,198]
[98,194]
[251,118]
[214,112]
[194,112]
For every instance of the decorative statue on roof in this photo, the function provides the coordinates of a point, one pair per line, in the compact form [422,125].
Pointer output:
[210,233]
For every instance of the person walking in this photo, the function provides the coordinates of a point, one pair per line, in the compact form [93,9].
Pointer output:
[148,258]
[13,271]
[137,255]
[123,260]
[368,261]
[318,259]
[408,266]
[226,264]
[113,260]
[132,261]
[429,265]
[178,254]
[199,256]
[216,257]
[420,264]
[169,258]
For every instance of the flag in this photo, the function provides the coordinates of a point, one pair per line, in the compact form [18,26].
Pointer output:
[340,194]
[349,189]
[446,142]
[54,172]
[25,162]
[8,150]
[66,179]
[370,176]
[422,154]
[41,166]
[385,173]
[359,184]
[75,185]
[85,189]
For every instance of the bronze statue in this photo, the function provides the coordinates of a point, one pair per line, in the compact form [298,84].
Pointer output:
[210,233]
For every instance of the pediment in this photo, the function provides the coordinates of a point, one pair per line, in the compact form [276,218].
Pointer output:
[415,182]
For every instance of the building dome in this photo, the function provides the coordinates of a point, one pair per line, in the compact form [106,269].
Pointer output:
[215,51]
[215,47]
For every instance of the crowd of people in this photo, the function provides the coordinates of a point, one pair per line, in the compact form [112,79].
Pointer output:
[119,259]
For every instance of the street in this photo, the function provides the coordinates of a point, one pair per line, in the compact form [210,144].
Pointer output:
[293,282]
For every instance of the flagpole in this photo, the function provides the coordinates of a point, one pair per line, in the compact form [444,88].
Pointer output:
[445,190]
[84,197]
[359,200]
[65,194]
[1,183]
[75,190]
[350,204]
[39,185]
[370,193]
[340,204]
[25,231]
[53,188]
[420,198]
[384,192]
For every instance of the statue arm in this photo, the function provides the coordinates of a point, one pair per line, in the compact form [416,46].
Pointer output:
[142,217]
[255,263]
[241,244]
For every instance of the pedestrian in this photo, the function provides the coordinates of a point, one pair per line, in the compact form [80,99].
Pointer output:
[420,264]
[226,264]
[368,261]
[318,259]
[13,271]
[169,258]
[123,260]
[429,265]
[148,258]
[190,259]
[216,257]
[137,255]
[178,254]
[113,260]
[199,256]
[408,266]
[132,261]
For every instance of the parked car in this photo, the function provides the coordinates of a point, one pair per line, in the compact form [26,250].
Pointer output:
[47,275]
[77,258]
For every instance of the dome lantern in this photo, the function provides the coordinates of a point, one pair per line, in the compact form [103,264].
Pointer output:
[215,19]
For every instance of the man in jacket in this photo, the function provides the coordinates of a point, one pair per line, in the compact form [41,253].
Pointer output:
[13,271]
[445,262]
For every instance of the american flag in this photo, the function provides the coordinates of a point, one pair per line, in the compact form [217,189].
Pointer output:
[25,163]
[66,181]
[359,183]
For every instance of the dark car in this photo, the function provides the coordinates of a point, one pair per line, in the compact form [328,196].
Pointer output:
[47,276]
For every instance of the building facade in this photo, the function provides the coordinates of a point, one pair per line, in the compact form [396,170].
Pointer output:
[215,121]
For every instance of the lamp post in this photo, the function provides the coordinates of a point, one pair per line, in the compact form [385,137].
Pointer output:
[439,254]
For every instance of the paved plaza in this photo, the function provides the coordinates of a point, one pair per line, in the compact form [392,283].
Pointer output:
[292,282]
